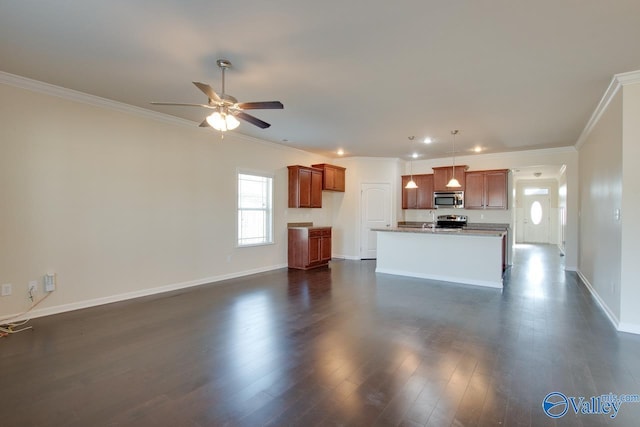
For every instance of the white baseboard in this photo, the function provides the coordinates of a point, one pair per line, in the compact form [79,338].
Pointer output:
[349,257]
[48,311]
[454,280]
[610,315]
[630,328]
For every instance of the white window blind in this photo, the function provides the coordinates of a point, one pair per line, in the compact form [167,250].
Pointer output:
[255,212]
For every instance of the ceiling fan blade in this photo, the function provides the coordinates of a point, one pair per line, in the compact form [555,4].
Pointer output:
[249,118]
[208,90]
[263,105]
[204,124]
[180,104]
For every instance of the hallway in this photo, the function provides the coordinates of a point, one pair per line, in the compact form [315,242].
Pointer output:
[336,346]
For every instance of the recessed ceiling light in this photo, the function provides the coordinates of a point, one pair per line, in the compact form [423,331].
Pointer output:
[414,155]
[477,149]
[428,140]
[340,152]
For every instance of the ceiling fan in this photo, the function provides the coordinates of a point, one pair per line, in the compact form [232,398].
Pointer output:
[226,107]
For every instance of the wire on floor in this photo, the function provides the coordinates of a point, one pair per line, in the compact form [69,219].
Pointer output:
[7,326]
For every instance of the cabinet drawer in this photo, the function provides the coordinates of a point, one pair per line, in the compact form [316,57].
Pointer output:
[320,232]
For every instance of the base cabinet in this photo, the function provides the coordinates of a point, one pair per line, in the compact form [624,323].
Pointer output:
[309,247]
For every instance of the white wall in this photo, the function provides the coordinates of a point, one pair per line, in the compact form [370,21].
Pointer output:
[346,214]
[118,204]
[630,207]
[610,201]
[600,194]
[562,210]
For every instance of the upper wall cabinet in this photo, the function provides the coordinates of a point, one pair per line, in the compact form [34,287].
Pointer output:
[333,177]
[486,189]
[418,198]
[442,176]
[305,187]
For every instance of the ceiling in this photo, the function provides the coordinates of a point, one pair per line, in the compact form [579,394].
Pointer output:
[358,75]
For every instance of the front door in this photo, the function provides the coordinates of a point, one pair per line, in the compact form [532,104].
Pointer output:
[375,205]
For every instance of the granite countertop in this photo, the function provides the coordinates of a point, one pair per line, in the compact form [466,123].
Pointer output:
[448,231]
[311,227]
[307,225]
[469,226]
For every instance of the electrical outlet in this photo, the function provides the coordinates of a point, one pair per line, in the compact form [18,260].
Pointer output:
[7,289]
[50,282]
[33,287]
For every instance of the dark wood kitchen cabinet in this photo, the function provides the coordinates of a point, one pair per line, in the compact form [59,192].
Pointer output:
[305,187]
[486,189]
[309,247]
[418,198]
[333,177]
[442,175]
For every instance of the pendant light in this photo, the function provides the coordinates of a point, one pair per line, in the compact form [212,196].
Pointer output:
[453,183]
[411,184]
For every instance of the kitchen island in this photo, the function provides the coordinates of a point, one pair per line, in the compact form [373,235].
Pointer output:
[473,257]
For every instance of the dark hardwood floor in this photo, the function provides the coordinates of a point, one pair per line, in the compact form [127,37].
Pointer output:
[329,347]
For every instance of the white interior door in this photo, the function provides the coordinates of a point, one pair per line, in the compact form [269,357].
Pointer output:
[536,219]
[375,205]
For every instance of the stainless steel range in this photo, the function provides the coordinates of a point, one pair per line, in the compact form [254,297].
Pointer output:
[451,221]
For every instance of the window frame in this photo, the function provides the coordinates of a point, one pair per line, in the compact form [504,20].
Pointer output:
[270,235]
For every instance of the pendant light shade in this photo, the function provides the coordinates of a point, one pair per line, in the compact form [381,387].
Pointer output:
[411,184]
[453,183]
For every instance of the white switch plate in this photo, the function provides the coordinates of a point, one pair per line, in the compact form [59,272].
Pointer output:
[7,289]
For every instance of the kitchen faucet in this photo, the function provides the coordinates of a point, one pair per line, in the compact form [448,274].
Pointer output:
[433,219]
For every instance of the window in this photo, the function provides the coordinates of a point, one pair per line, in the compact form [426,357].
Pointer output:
[255,211]
[536,191]
[536,213]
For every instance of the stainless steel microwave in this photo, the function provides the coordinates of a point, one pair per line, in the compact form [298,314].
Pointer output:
[448,199]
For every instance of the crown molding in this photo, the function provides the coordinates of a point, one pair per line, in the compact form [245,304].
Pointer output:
[629,78]
[96,101]
[617,82]
[519,153]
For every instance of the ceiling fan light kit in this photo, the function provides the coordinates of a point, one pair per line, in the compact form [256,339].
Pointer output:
[222,121]
[227,108]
